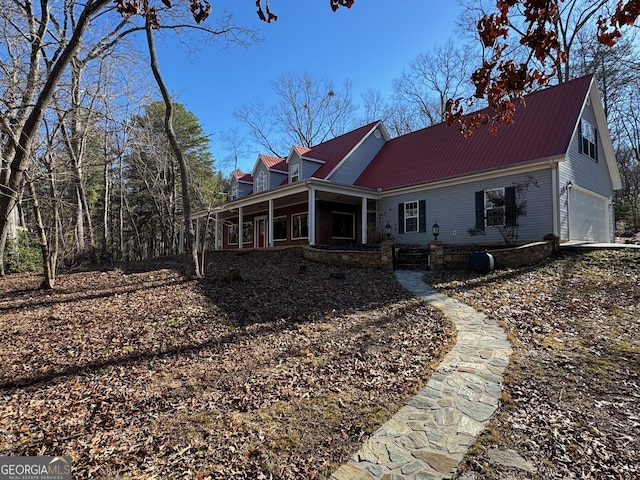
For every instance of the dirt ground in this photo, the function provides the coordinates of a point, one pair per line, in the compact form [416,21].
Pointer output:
[137,373]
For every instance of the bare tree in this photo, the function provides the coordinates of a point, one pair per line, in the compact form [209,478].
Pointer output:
[308,112]
[236,147]
[431,79]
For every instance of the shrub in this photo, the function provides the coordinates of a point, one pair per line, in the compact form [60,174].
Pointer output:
[20,256]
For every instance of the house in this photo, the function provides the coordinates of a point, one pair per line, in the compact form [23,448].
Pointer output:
[556,158]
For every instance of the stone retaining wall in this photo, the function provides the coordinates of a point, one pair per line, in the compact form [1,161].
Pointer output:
[382,259]
[525,255]
[506,257]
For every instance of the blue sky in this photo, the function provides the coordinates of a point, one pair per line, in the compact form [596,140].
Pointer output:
[369,44]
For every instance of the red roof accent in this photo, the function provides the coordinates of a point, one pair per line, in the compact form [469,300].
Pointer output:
[333,151]
[275,163]
[301,150]
[540,130]
[243,177]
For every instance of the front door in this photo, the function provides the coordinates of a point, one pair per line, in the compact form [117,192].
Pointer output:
[261,232]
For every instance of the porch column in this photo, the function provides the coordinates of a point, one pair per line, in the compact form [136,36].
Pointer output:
[312,216]
[240,242]
[270,224]
[364,220]
[217,232]
[181,246]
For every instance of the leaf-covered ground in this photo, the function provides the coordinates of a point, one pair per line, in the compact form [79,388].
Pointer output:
[571,405]
[138,373]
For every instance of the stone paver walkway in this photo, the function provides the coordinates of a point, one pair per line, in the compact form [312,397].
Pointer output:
[427,438]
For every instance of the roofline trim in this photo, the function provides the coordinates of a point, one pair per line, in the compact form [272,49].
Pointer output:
[545,163]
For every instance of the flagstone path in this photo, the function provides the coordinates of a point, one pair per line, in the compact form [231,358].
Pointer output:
[427,438]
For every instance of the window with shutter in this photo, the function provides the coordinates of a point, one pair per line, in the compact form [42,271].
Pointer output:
[412,217]
[494,203]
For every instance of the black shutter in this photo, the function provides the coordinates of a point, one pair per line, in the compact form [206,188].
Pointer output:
[510,212]
[401,218]
[580,137]
[480,210]
[422,216]
[595,133]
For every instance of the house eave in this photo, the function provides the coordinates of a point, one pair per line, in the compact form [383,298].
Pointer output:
[466,178]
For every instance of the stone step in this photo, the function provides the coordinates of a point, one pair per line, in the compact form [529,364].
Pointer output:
[412,258]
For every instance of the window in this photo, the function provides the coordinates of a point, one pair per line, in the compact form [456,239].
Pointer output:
[232,235]
[497,208]
[234,192]
[343,225]
[299,226]
[410,217]
[494,207]
[260,183]
[247,232]
[588,139]
[280,228]
[295,172]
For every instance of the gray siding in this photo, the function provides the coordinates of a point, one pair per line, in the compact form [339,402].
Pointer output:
[276,179]
[350,170]
[307,168]
[244,189]
[453,209]
[584,172]
[256,172]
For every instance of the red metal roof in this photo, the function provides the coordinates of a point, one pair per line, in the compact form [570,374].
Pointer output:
[275,163]
[540,130]
[243,177]
[301,150]
[333,151]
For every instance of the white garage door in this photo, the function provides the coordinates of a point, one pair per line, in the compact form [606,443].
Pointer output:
[588,217]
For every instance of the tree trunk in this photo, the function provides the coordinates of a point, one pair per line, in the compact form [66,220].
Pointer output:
[79,222]
[121,212]
[105,213]
[49,280]
[193,269]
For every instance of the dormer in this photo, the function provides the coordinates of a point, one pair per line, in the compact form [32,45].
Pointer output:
[300,165]
[341,159]
[268,173]
[241,185]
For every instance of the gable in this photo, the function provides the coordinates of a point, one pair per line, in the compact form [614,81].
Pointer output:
[354,163]
[593,112]
[333,151]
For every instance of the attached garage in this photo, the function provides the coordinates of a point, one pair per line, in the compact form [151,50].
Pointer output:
[588,216]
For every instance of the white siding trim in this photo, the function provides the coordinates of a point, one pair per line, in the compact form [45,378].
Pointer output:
[555,201]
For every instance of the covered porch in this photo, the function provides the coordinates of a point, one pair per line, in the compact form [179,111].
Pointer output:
[311,212]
